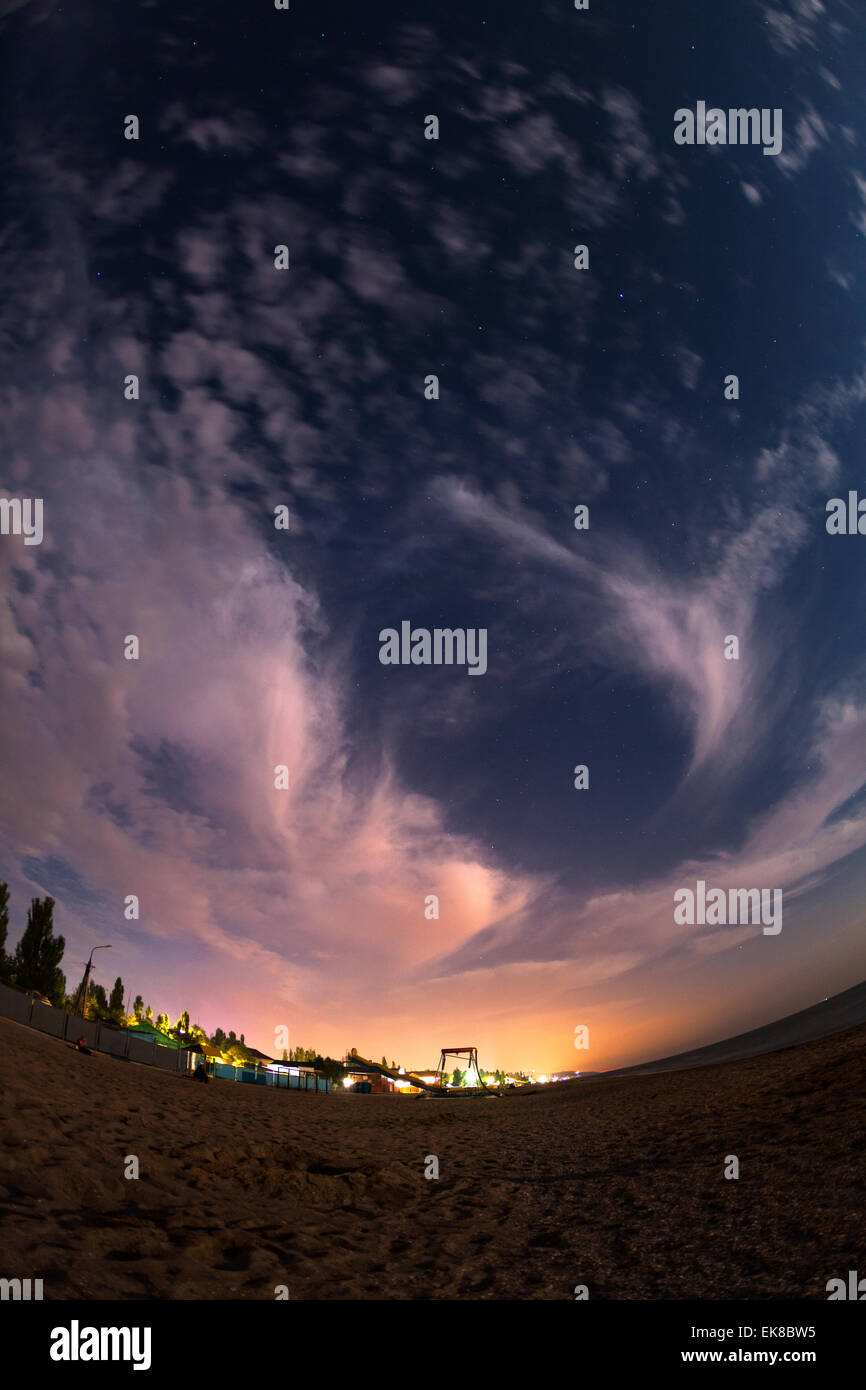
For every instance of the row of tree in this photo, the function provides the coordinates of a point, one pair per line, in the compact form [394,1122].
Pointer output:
[309,1057]
[35,965]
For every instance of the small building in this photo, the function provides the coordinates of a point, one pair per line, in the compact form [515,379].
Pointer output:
[295,1077]
[209,1054]
[380,1083]
[373,1083]
[150,1031]
[260,1058]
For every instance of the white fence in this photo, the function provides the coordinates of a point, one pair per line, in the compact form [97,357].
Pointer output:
[101,1037]
[121,1042]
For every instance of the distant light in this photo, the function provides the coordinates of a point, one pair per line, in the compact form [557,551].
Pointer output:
[347,1082]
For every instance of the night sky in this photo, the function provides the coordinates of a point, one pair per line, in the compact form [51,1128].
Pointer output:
[558,387]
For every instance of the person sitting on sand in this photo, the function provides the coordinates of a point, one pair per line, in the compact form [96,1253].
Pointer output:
[201,1073]
[81,1046]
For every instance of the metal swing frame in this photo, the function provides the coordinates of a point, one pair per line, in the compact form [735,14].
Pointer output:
[469,1053]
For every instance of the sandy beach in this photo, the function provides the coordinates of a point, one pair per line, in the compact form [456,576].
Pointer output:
[614,1183]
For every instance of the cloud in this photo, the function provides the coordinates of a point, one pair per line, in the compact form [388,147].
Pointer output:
[809,133]
[156,777]
[632,150]
[795,848]
[789,30]
[9,6]
[671,634]
[670,631]
[690,364]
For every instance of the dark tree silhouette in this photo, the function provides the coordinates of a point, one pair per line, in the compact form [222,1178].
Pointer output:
[36,964]
[96,995]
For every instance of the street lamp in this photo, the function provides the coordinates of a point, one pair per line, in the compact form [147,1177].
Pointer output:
[82,988]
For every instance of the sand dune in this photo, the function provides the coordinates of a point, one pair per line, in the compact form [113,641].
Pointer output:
[615,1183]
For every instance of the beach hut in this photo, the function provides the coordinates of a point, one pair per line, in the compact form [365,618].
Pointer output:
[366,1082]
[295,1077]
[207,1050]
[208,1053]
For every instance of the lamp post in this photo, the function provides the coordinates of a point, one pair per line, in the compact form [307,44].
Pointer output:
[82,988]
